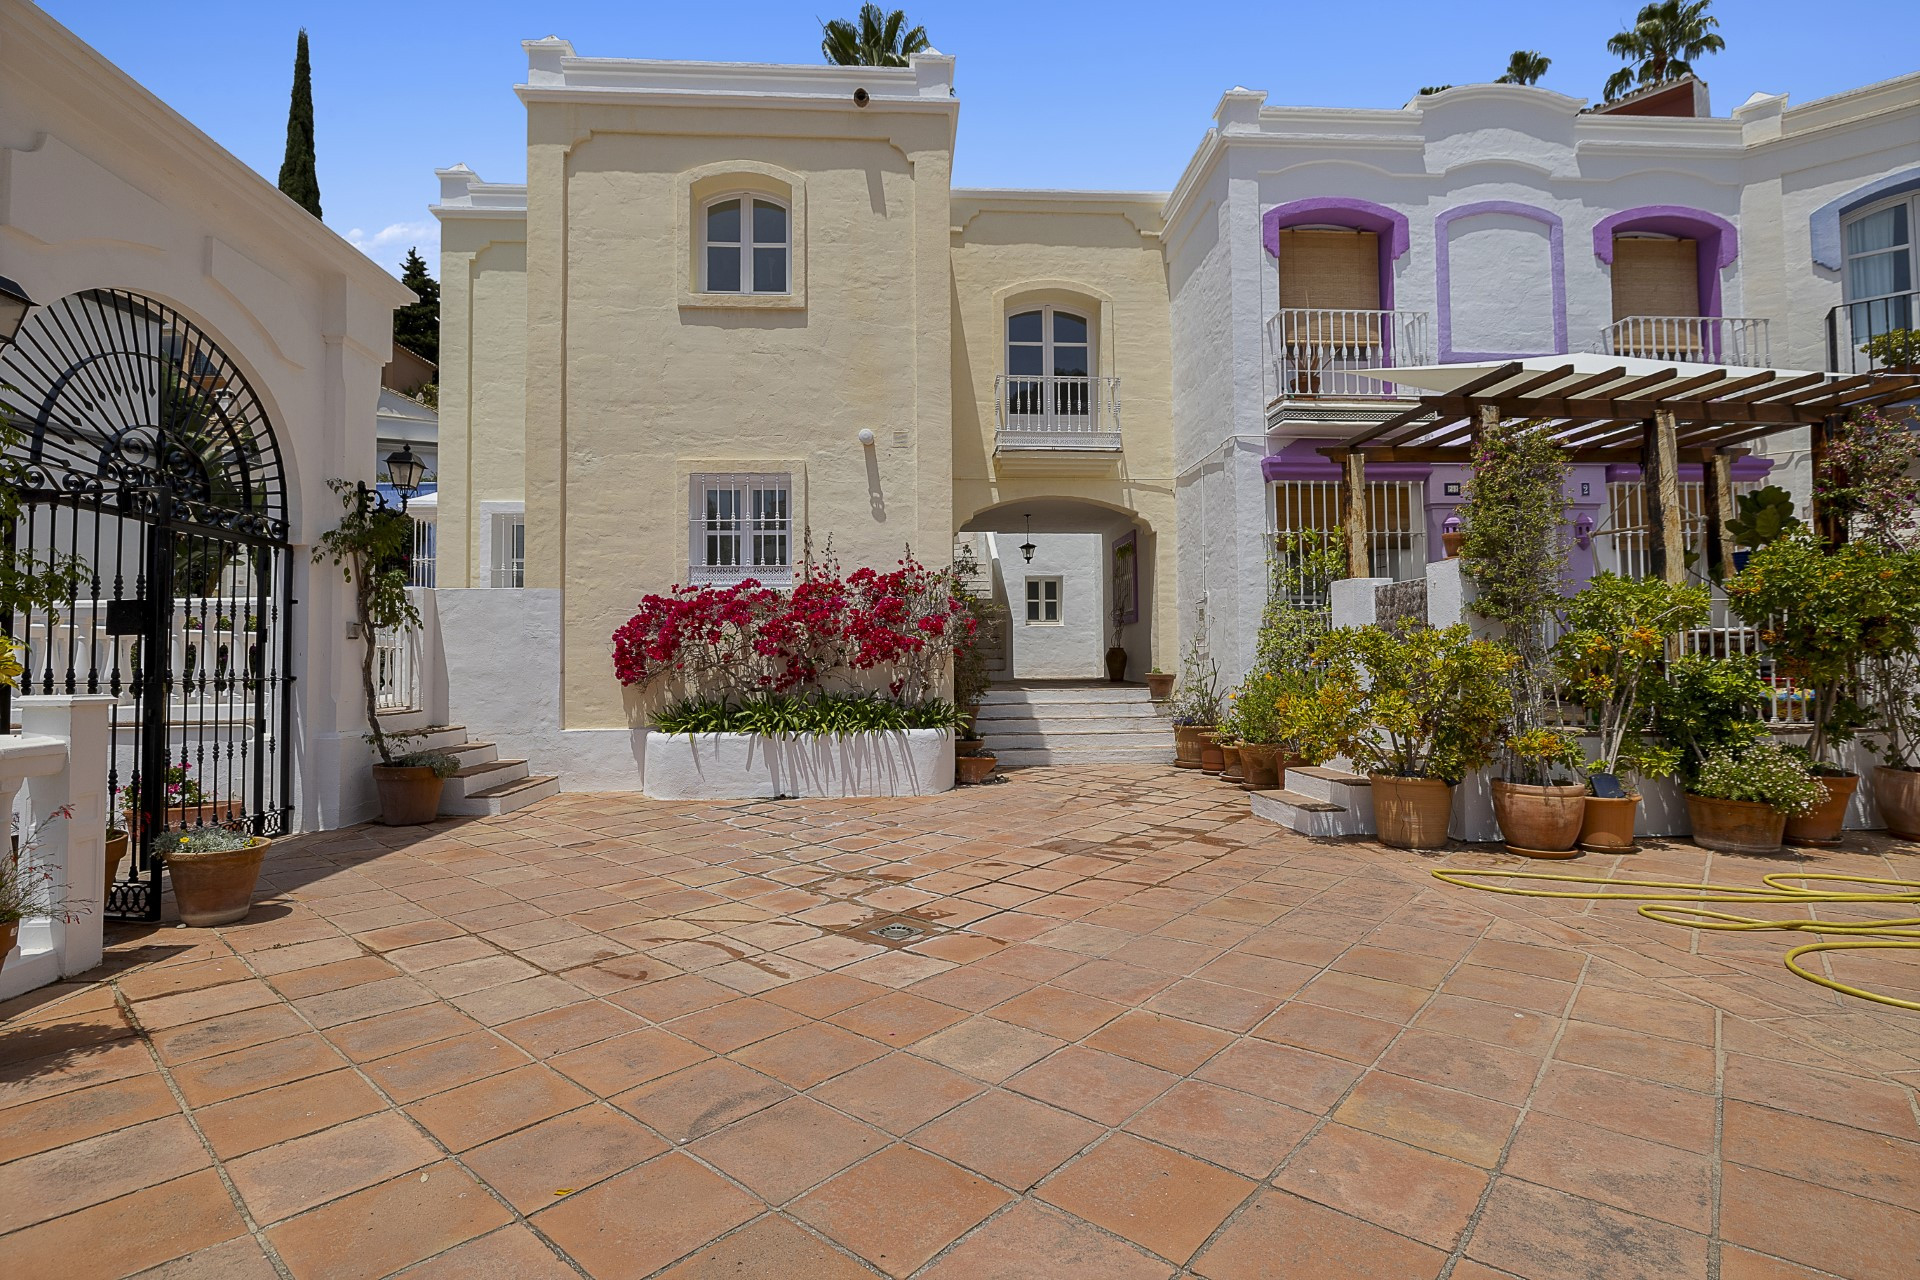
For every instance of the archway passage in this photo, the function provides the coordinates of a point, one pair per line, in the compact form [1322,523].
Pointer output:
[1075,580]
[148,483]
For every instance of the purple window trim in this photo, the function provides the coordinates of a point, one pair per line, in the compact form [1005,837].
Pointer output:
[1276,467]
[1823,228]
[1744,469]
[1443,276]
[1389,225]
[1719,240]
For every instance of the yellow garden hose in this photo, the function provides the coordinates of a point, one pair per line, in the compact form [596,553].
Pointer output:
[1887,935]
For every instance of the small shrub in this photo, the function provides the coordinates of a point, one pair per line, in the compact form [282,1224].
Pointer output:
[443,765]
[1763,773]
[209,840]
[1417,702]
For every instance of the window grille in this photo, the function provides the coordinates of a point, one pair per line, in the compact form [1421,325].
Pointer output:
[741,527]
[1307,518]
[510,551]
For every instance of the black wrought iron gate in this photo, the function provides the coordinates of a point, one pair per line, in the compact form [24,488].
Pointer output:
[145,464]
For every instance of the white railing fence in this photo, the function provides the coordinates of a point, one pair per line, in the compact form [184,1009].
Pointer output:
[1314,353]
[1056,412]
[212,652]
[396,670]
[425,529]
[1740,341]
[1307,518]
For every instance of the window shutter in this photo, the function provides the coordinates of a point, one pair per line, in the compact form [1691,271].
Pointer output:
[1330,270]
[1655,278]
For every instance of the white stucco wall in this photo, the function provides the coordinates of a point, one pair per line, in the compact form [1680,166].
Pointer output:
[1075,647]
[104,186]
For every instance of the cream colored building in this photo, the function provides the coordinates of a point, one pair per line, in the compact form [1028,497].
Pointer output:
[739,309]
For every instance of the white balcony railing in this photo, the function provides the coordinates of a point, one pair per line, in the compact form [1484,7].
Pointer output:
[1056,412]
[1314,353]
[1738,341]
[396,670]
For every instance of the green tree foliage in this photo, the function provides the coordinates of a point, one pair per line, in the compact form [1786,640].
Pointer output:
[1422,702]
[1662,43]
[1611,654]
[1708,706]
[1762,516]
[416,326]
[299,174]
[1515,548]
[1526,66]
[369,546]
[880,39]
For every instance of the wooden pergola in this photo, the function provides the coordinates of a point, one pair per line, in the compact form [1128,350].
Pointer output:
[1606,409]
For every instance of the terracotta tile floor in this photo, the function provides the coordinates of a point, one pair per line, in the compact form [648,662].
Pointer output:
[1138,1034]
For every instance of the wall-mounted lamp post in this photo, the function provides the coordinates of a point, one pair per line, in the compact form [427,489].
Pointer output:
[1027,548]
[14,305]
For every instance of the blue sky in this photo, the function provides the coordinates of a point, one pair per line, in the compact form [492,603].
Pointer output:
[1056,93]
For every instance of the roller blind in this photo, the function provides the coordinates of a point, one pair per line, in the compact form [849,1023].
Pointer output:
[1656,278]
[1330,270]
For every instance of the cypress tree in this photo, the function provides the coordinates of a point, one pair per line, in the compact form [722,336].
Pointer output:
[299,177]
[416,326]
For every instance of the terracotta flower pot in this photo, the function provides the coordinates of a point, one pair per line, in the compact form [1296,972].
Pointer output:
[1230,771]
[1897,792]
[116,852]
[1735,826]
[969,770]
[1260,763]
[1212,759]
[1116,664]
[1186,745]
[1822,825]
[215,888]
[1411,813]
[1540,821]
[1159,685]
[1606,824]
[409,795]
[1452,542]
[968,747]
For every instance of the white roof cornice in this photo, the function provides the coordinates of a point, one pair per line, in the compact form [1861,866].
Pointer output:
[556,74]
[464,195]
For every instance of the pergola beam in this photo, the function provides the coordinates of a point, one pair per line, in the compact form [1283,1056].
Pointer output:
[1660,476]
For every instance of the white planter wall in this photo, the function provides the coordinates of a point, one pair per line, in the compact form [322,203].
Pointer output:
[727,766]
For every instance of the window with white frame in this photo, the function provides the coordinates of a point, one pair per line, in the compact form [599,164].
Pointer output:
[509,558]
[1049,363]
[1043,602]
[1881,268]
[742,527]
[746,245]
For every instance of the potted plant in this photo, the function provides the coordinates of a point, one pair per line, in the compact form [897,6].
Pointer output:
[1540,815]
[1196,708]
[1609,659]
[213,871]
[1870,488]
[1421,708]
[1759,519]
[1895,351]
[973,768]
[370,546]
[1822,613]
[28,891]
[1741,798]
[1159,684]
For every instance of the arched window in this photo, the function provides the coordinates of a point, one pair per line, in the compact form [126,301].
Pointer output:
[1880,268]
[1049,362]
[747,245]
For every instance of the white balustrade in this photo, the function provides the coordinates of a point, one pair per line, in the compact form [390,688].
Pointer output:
[1314,353]
[60,761]
[1738,341]
[1056,412]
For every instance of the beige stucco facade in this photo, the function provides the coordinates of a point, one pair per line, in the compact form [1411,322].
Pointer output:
[586,375]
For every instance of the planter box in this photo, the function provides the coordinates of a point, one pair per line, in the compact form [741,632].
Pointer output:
[732,766]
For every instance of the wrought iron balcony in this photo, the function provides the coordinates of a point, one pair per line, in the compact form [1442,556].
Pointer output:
[1313,354]
[1738,341]
[1056,413]
[1891,325]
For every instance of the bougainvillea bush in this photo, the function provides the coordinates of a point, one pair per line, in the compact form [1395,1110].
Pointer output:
[899,627]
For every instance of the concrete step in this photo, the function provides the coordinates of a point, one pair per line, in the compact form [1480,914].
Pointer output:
[487,775]
[1302,813]
[1074,724]
[505,798]
[1022,757]
[1145,711]
[427,737]
[1058,738]
[1034,695]
[471,753]
[1350,791]
[403,720]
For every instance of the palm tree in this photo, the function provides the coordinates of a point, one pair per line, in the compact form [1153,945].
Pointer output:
[879,41]
[1662,45]
[1526,66]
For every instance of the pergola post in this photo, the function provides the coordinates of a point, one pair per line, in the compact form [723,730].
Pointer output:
[1832,531]
[1717,495]
[1485,417]
[1660,477]
[1353,500]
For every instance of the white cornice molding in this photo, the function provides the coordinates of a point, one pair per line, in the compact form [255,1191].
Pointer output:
[174,143]
[464,195]
[556,74]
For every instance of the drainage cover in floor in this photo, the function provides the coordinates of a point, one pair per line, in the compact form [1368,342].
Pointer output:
[897,932]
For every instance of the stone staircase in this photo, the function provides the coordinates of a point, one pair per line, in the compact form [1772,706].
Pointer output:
[1073,722]
[1319,802]
[485,784]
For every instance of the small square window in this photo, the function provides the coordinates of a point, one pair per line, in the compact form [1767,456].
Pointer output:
[742,527]
[1043,601]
